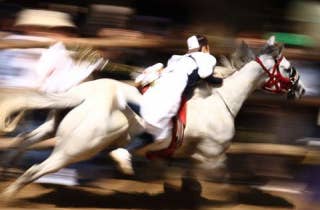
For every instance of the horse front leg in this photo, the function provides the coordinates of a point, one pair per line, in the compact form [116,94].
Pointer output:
[207,161]
[191,182]
[189,191]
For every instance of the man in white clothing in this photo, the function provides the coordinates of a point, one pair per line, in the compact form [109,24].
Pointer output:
[162,100]
[47,69]
[53,69]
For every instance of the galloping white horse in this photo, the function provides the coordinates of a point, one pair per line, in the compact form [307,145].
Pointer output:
[99,117]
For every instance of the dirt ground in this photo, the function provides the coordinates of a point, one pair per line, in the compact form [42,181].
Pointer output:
[121,193]
[105,188]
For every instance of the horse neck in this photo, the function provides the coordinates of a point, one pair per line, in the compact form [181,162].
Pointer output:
[236,88]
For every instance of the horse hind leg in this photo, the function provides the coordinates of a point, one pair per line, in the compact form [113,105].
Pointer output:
[52,164]
[41,133]
[61,156]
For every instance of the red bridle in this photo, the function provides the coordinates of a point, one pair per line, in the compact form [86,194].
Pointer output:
[276,83]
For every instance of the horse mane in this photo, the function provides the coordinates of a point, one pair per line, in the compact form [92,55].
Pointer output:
[240,57]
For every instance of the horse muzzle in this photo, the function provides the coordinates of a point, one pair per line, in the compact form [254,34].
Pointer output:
[296,92]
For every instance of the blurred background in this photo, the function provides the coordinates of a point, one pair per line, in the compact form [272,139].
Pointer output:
[137,33]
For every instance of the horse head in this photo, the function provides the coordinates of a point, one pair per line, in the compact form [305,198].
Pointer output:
[282,76]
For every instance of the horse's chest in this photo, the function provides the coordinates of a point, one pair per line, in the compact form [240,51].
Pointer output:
[208,120]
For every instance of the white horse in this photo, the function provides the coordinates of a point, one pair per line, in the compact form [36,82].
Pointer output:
[99,117]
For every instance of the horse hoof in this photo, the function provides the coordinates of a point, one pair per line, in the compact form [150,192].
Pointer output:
[191,186]
[123,159]
[8,193]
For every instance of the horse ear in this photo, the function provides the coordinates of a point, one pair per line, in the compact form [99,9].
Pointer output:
[271,41]
[244,45]
[281,48]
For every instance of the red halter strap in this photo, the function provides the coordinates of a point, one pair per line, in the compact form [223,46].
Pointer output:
[276,83]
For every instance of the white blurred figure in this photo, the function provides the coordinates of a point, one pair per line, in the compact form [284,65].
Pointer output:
[47,69]
[59,72]
[53,69]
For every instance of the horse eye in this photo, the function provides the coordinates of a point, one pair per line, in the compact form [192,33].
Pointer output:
[288,70]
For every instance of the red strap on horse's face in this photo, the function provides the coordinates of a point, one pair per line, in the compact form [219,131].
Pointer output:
[276,83]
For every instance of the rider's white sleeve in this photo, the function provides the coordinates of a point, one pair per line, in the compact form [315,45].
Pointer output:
[149,74]
[206,67]
[205,62]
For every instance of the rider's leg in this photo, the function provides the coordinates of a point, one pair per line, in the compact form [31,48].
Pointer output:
[122,156]
[140,141]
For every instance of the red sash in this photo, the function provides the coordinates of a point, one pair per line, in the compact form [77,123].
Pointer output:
[179,124]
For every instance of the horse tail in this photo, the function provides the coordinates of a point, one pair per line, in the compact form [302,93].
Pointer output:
[14,102]
[127,94]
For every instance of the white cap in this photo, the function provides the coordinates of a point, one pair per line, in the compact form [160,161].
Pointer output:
[44,18]
[193,42]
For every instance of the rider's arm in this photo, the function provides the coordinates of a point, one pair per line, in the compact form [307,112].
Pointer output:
[149,74]
[206,70]
[206,64]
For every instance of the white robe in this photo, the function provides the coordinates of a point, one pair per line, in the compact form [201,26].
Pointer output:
[161,102]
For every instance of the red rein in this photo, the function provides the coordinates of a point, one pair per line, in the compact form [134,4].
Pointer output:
[276,83]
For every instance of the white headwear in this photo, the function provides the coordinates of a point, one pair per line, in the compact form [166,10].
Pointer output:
[193,42]
[44,18]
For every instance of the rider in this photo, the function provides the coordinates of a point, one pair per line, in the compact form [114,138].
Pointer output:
[53,69]
[161,102]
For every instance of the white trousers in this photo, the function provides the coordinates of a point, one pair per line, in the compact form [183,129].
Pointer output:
[160,103]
